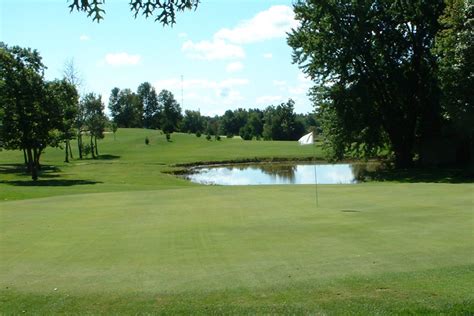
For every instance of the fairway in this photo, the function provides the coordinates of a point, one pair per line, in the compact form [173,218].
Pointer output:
[136,240]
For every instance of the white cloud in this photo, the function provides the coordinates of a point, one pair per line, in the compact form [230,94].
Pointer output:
[269,99]
[120,59]
[272,23]
[234,67]
[84,37]
[212,50]
[268,55]
[279,83]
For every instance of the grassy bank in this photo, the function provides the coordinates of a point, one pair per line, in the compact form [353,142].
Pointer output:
[126,163]
[132,239]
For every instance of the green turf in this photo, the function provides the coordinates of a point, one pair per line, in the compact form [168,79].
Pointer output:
[128,164]
[157,244]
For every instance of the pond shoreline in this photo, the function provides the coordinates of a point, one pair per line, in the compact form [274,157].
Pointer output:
[277,173]
[186,168]
[268,159]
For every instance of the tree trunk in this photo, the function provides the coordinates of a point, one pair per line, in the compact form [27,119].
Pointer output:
[95,144]
[402,141]
[403,150]
[31,165]
[36,156]
[79,144]
[70,149]
[25,157]
[92,147]
[66,158]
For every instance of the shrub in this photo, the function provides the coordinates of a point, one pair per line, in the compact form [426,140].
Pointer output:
[198,134]
[208,136]
[86,150]
[147,140]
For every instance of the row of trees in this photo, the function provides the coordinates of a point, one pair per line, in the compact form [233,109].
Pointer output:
[36,113]
[147,109]
[274,123]
[390,74]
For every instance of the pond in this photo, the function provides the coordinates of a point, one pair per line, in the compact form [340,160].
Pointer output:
[279,173]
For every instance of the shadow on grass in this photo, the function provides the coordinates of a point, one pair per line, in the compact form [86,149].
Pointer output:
[108,157]
[427,175]
[21,169]
[48,176]
[49,183]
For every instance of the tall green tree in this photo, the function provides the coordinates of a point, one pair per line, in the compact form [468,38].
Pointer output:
[126,108]
[280,122]
[171,112]
[192,122]
[374,71]
[455,50]
[65,97]
[94,119]
[149,100]
[253,126]
[27,122]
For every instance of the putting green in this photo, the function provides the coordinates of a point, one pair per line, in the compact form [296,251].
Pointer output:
[185,243]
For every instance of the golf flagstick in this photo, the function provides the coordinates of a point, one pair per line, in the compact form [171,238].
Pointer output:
[308,139]
[315,172]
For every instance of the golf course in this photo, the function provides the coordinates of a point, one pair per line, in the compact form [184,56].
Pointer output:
[122,234]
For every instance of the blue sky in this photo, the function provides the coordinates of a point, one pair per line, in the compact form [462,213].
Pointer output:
[230,53]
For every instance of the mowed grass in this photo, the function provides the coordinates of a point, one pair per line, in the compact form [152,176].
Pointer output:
[126,163]
[167,246]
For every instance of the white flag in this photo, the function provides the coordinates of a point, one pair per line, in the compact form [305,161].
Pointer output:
[306,139]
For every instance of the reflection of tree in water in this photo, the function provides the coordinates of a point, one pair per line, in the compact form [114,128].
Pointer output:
[362,171]
[284,171]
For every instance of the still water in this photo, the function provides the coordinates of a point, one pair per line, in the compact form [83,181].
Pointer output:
[278,173]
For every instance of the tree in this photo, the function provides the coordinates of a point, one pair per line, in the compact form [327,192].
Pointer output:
[171,112]
[233,121]
[149,102]
[80,125]
[455,50]
[73,77]
[193,122]
[66,99]
[126,108]
[26,109]
[163,11]
[95,120]
[281,123]
[254,125]
[374,72]
[114,127]
[228,124]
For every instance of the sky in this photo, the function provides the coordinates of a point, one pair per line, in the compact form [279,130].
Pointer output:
[227,54]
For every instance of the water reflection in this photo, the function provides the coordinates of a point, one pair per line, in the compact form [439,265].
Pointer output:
[278,173]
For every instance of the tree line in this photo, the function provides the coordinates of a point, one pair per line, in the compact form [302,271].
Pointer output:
[36,113]
[147,109]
